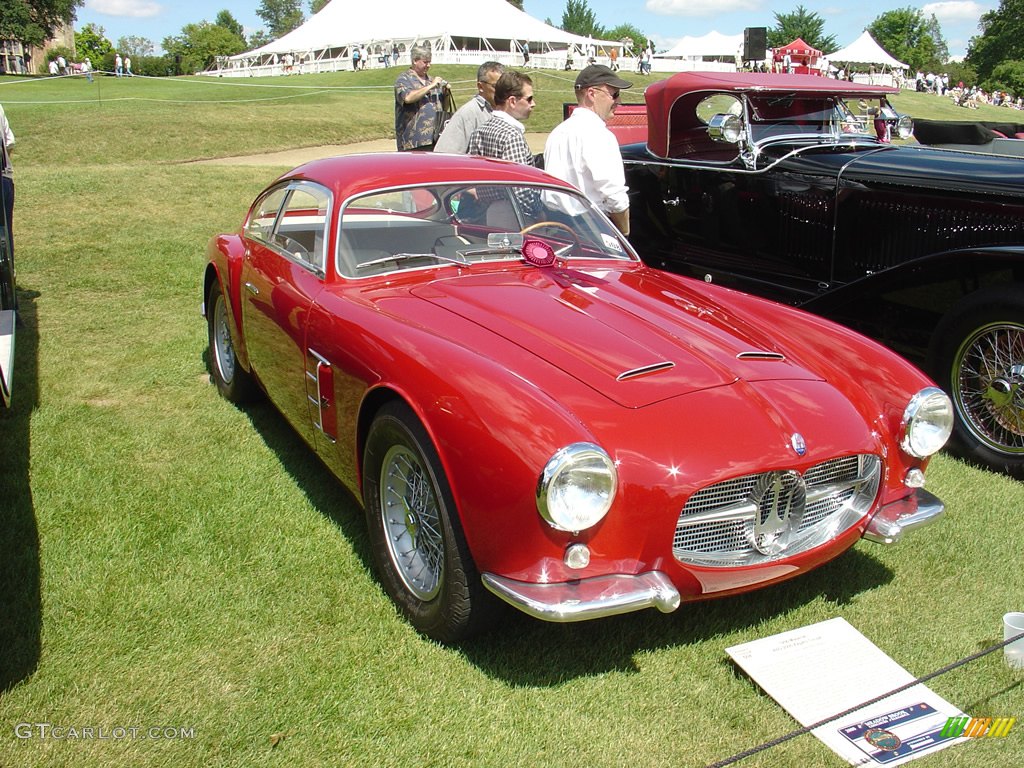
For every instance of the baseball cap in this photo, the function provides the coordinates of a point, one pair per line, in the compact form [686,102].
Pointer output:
[599,74]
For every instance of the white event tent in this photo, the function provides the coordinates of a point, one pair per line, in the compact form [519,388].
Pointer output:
[864,50]
[458,31]
[713,51]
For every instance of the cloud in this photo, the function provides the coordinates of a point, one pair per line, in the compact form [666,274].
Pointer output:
[700,7]
[135,9]
[952,11]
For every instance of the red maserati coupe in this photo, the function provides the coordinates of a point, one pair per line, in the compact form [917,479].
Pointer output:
[529,412]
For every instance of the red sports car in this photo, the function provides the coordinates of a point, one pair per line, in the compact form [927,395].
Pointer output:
[530,412]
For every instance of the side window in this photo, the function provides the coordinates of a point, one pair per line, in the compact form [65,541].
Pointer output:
[301,230]
[264,215]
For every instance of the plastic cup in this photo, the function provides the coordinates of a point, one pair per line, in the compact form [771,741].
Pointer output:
[1013,625]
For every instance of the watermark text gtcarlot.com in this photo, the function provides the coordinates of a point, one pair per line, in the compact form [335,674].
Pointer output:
[58,732]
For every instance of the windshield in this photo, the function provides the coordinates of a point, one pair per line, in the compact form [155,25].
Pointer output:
[467,224]
[812,116]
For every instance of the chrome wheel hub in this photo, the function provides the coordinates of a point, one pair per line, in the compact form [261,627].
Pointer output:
[223,350]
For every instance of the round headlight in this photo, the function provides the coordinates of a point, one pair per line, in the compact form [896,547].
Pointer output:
[927,423]
[726,128]
[576,487]
[904,127]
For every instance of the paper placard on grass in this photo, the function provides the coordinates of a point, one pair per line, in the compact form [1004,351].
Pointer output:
[818,671]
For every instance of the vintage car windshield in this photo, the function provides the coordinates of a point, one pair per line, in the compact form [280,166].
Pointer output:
[436,225]
[788,115]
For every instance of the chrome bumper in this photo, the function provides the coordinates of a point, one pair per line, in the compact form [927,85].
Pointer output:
[893,520]
[591,598]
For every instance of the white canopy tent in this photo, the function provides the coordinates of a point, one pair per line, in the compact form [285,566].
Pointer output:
[712,44]
[454,29]
[864,50]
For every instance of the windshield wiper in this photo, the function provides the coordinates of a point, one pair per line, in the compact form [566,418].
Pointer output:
[397,257]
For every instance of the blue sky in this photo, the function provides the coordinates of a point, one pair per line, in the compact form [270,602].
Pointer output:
[666,21]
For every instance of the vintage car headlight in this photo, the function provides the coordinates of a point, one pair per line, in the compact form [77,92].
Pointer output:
[576,488]
[904,127]
[726,128]
[927,422]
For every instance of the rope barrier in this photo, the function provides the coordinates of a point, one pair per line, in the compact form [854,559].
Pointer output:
[808,728]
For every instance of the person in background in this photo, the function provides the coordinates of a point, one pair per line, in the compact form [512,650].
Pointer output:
[582,151]
[473,114]
[128,66]
[503,135]
[417,102]
[118,65]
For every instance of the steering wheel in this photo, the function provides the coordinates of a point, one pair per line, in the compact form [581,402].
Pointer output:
[557,225]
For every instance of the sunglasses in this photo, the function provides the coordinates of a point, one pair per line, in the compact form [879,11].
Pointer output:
[613,94]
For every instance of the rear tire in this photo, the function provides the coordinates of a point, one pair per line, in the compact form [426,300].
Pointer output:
[233,381]
[978,358]
[418,545]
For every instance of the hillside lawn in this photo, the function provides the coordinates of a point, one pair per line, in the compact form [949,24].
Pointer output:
[169,560]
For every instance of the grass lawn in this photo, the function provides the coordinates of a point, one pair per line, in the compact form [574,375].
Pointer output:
[170,561]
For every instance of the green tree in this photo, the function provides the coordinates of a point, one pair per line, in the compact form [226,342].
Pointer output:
[91,43]
[806,25]
[626,30]
[259,38]
[909,37]
[517,3]
[280,16]
[135,46]
[315,6]
[1007,76]
[1001,38]
[200,44]
[579,19]
[230,23]
[33,22]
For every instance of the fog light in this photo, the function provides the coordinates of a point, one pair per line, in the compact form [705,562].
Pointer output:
[577,556]
[914,479]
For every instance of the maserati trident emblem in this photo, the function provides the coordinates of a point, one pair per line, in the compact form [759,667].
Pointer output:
[779,499]
[798,443]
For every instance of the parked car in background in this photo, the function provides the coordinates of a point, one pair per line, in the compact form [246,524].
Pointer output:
[529,412]
[780,185]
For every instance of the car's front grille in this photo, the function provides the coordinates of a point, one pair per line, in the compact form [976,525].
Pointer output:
[770,515]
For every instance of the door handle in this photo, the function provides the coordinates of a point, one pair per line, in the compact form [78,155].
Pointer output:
[672,201]
[252,289]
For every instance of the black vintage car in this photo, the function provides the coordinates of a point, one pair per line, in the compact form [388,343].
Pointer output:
[788,186]
[7,307]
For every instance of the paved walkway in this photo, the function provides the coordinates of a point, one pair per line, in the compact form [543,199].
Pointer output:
[294,157]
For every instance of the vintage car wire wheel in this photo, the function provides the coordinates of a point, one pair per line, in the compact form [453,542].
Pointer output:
[988,385]
[416,537]
[978,356]
[233,381]
[411,520]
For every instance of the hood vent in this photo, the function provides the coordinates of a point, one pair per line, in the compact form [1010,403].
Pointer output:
[760,355]
[644,370]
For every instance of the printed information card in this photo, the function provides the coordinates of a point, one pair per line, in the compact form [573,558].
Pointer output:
[818,671]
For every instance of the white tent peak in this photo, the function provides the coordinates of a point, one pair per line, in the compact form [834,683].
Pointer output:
[865,50]
[714,43]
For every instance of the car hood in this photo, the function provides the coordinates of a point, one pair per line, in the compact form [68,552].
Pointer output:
[633,335]
[921,167]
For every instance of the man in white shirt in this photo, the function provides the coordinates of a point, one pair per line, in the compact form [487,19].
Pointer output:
[473,114]
[582,151]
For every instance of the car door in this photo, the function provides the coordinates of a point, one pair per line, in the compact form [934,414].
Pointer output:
[282,274]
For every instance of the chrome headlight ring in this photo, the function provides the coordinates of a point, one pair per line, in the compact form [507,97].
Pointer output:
[927,423]
[576,488]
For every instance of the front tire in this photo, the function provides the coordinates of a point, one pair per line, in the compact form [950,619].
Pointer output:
[417,542]
[978,358]
[232,380]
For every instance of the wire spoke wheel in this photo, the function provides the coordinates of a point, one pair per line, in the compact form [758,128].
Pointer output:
[223,349]
[412,524]
[988,385]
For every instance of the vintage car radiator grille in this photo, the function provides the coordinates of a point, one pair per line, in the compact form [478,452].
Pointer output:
[912,230]
[771,515]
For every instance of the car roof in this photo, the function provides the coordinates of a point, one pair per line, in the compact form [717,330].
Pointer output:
[348,175]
